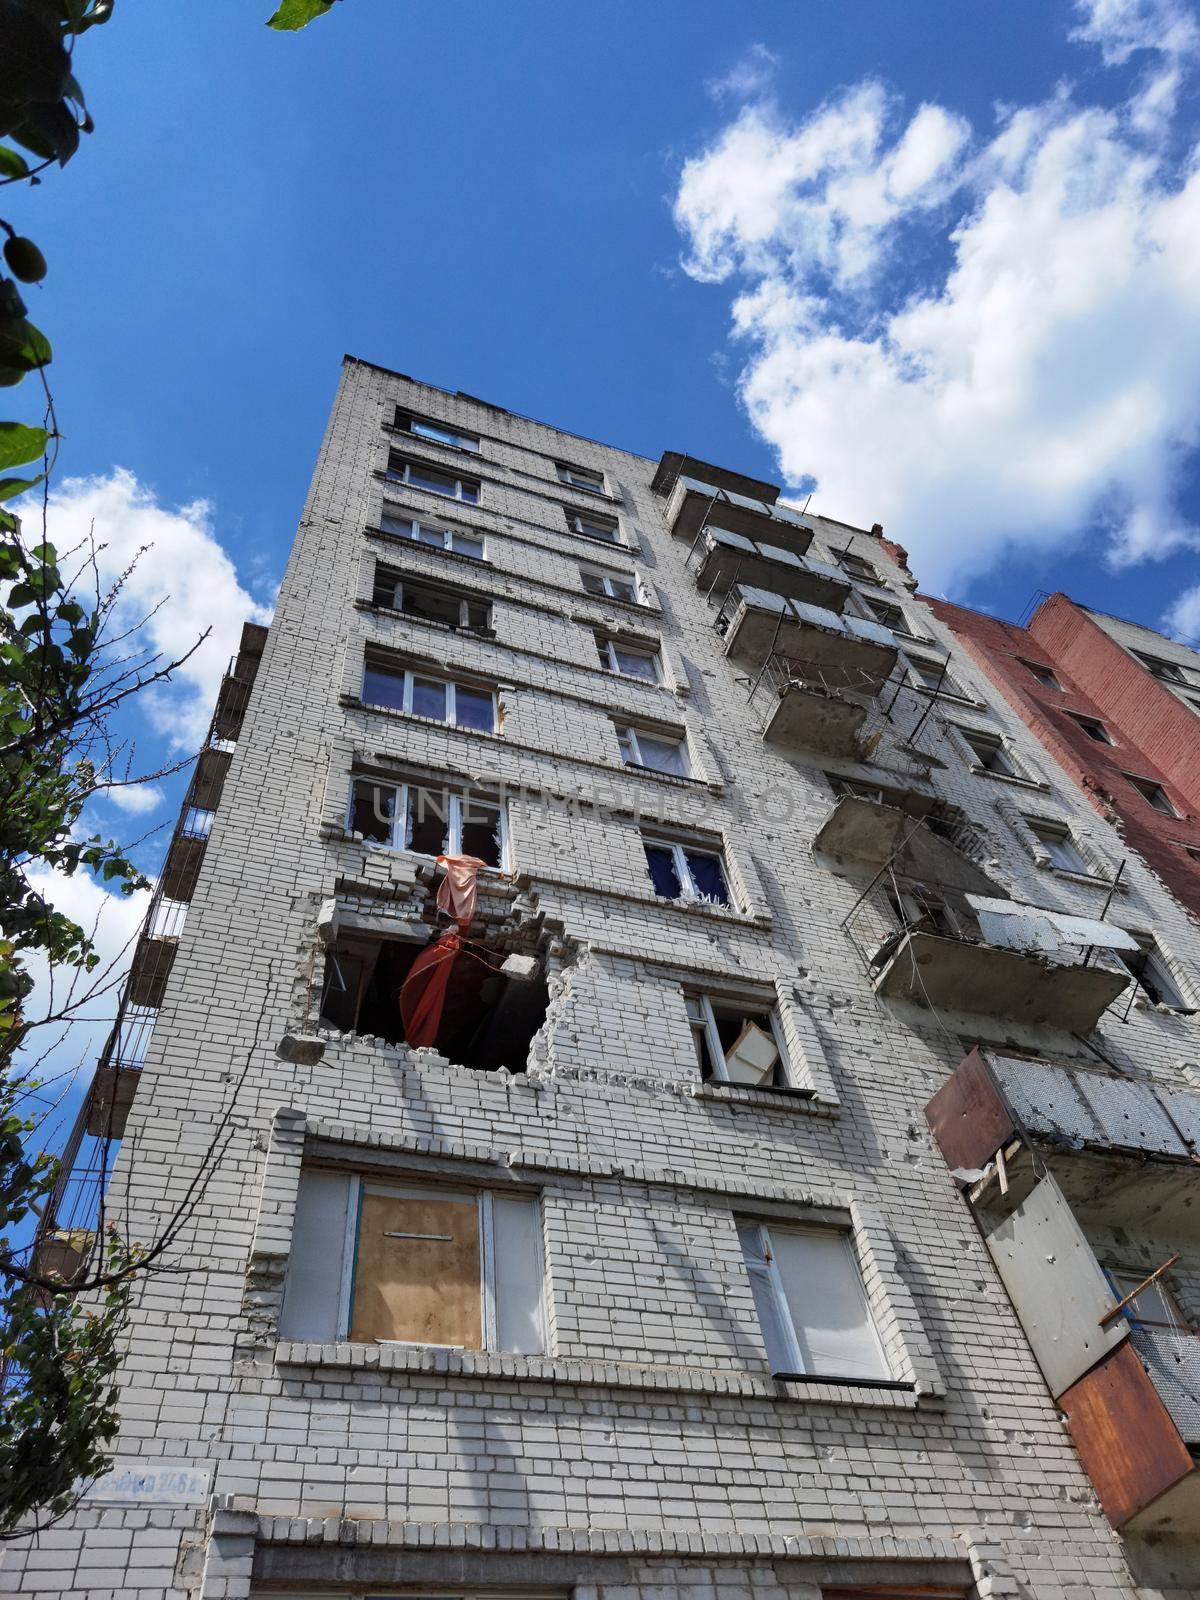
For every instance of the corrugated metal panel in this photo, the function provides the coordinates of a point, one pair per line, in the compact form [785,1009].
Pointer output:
[1185,1108]
[1172,1361]
[1056,1285]
[1045,1099]
[1130,1115]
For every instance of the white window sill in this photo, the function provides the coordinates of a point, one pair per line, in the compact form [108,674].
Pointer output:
[1010,777]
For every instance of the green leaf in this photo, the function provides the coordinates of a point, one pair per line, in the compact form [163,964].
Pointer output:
[19,443]
[50,131]
[10,488]
[295,14]
[12,164]
[22,346]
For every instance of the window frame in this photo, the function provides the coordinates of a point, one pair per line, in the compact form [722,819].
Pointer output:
[1086,722]
[589,525]
[460,481]
[1140,785]
[629,731]
[1155,965]
[856,566]
[417,427]
[607,577]
[430,586]
[688,893]
[950,686]
[783,1311]
[607,648]
[401,831]
[873,605]
[565,470]
[1061,834]
[360,1184]
[449,535]
[707,1022]
[999,745]
[1039,671]
[410,676]
[1164,670]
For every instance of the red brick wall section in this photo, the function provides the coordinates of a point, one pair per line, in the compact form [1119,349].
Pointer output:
[999,647]
[1129,696]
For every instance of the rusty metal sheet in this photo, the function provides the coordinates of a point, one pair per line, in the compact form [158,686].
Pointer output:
[967,1116]
[1130,1448]
[1056,1285]
[1130,1115]
[1045,1099]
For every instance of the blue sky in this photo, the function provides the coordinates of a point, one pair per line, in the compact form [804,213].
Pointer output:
[499,199]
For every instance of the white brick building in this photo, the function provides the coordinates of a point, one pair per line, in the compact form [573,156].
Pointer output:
[557,1308]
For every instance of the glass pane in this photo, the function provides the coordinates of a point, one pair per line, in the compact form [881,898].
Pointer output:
[470,493]
[664,755]
[431,430]
[473,709]
[373,810]
[708,876]
[770,1320]
[625,745]
[427,478]
[481,831]
[383,688]
[424,534]
[313,1288]
[384,592]
[622,589]
[661,863]
[515,1227]
[635,663]
[467,545]
[392,524]
[1155,1304]
[428,825]
[827,1302]
[596,530]
[592,582]
[429,698]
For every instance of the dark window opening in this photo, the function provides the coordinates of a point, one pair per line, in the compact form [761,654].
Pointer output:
[488,1020]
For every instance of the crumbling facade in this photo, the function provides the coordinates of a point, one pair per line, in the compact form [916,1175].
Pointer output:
[1117,706]
[686,1259]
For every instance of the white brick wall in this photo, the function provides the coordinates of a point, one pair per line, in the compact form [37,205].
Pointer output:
[649,1453]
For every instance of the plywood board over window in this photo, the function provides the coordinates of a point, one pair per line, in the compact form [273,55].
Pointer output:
[381,1263]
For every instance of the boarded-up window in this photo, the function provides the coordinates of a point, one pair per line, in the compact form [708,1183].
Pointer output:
[811,1303]
[376,1263]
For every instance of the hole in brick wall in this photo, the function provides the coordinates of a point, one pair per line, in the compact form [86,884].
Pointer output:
[488,1020]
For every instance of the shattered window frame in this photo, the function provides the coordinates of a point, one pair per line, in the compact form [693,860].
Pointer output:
[458,816]
[702,1009]
[413,680]
[399,585]
[629,742]
[1153,793]
[995,758]
[681,856]
[1154,975]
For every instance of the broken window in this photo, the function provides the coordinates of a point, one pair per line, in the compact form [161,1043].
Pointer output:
[856,566]
[685,872]
[438,432]
[1155,1306]
[1092,726]
[490,1012]
[399,689]
[580,477]
[1044,674]
[920,909]
[615,585]
[930,674]
[593,527]
[885,613]
[428,601]
[419,476]
[1153,794]
[1055,839]
[990,752]
[855,786]
[811,1303]
[429,821]
[737,1041]
[1167,671]
[634,660]
[379,1263]
[1152,974]
[462,544]
[659,751]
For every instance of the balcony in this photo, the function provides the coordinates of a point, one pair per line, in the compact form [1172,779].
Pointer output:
[758,624]
[720,558]
[918,835]
[234,694]
[208,780]
[693,505]
[110,1098]
[965,952]
[1052,1157]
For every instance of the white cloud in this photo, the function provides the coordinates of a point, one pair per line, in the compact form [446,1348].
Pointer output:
[136,800]
[184,573]
[1121,27]
[1183,619]
[750,75]
[1046,378]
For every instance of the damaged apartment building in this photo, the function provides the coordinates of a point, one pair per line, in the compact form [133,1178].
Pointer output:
[654,1058]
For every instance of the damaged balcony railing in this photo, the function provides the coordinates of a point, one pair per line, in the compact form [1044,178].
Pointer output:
[693,505]
[951,950]
[720,559]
